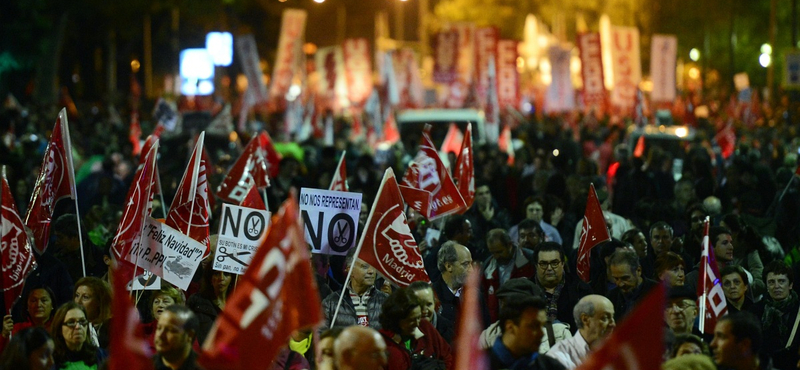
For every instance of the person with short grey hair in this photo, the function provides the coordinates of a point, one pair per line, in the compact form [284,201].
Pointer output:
[594,317]
[626,273]
[455,264]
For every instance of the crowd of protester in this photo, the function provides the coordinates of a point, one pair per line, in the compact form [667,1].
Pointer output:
[522,233]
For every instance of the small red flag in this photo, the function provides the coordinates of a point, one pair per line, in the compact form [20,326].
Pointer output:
[16,254]
[638,343]
[339,181]
[271,156]
[469,354]
[506,144]
[189,212]
[135,134]
[638,152]
[453,141]
[429,173]
[387,243]
[465,169]
[137,208]
[417,199]
[253,200]
[56,181]
[390,132]
[249,170]
[130,348]
[594,232]
[711,297]
[276,295]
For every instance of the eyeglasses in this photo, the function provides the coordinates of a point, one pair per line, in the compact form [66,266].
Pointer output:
[680,307]
[545,264]
[73,324]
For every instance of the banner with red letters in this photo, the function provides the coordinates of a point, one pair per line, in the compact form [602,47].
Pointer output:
[507,75]
[663,51]
[358,70]
[626,66]
[276,296]
[445,54]
[594,91]
[332,86]
[290,52]
[485,49]
[387,243]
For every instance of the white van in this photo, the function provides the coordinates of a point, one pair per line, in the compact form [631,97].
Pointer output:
[411,122]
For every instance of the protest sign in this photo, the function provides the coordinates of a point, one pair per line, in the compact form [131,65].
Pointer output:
[145,281]
[240,234]
[167,253]
[330,219]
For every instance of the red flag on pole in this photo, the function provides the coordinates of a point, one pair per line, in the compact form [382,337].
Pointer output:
[253,200]
[417,199]
[638,152]
[130,348]
[148,144]
[391,133]
[453,141]
[138,206]
[465,169]
[56,181]
[430,174]
[16,254]
[276,295]
[594,232]
[271,156]
[250,169]
[387,243]
[711,297]
[638,343]
[469,354]
[339,181]
[189,212]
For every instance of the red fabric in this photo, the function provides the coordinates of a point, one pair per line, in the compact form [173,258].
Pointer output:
[638,152]
[253,200]
[638,343]
[16,255]
[465,170]
[387,243]
[431,175]
[431,344]
[490,284]
[469,354]
[339,181]
[417,199]
[129,346]
[135,133]
[189,212]
[709,287]
[594,232]
[251,169]
[453,140]
[56,181]
[276,296]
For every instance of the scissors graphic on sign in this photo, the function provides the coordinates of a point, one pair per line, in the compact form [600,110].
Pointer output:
[222,253]
[341,239]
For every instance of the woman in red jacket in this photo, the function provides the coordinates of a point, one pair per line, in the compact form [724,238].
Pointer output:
[406,334]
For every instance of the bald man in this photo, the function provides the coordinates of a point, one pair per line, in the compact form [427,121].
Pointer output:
[360,348]
[594,317]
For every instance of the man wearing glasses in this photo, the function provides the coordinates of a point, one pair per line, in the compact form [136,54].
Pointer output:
[562,291]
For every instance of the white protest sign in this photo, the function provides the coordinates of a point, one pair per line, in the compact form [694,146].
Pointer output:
[145,281]
[168,253]
[330,219]
[240,234]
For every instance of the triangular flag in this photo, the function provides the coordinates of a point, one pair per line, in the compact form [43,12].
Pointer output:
[638,343]
[253,200]
[56,181]
[271,156]
[135,134]
[465,169]
[506,144]
[387,243]
[453,140]
[130,348]
[276,296]
[429,173]
[339,181]
[593,232]
[16,254]
[249,170]
[189,212]
[417,199]
[638,152]
[469,354]
[711,297]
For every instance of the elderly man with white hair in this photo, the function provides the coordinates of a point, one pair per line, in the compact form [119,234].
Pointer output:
[594,317]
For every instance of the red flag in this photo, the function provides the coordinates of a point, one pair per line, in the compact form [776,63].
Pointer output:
[797,170]
[253,200]
[148,144]
[16,254]
[506,144]
[387,243]
[209,169]
[272,157]
[711,297]
[339,181]
[431,175]
[130,348]
[417,199]
[638,152]
[465,169]
[137,208]
[453,141]
[189,212]
[250,169]
[593,233]
[56,180]
[469,354]
[135,133]
[638,343]
[276,295]
[390,132]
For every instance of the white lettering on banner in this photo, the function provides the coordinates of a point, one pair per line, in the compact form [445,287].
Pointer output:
[167,253]
[715,296]
[507,75]
[485,49]
[591,69]
[329,219]
[275,259]
[398,234]
[464,66]
[358,70]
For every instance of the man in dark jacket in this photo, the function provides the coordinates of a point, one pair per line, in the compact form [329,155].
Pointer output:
[361,304]
[631,285]
[455,263]
[507,261]
[522,323]
[177,330]
[562,290]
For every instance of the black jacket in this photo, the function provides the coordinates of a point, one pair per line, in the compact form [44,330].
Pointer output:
[574,289]
[621,304]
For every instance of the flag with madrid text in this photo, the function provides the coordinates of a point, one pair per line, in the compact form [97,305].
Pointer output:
[276,296]
[16,254]
[711,298]
[594,232]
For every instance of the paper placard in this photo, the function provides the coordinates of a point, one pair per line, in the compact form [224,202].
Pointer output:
[330,219]
[167,253]
[240,234]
